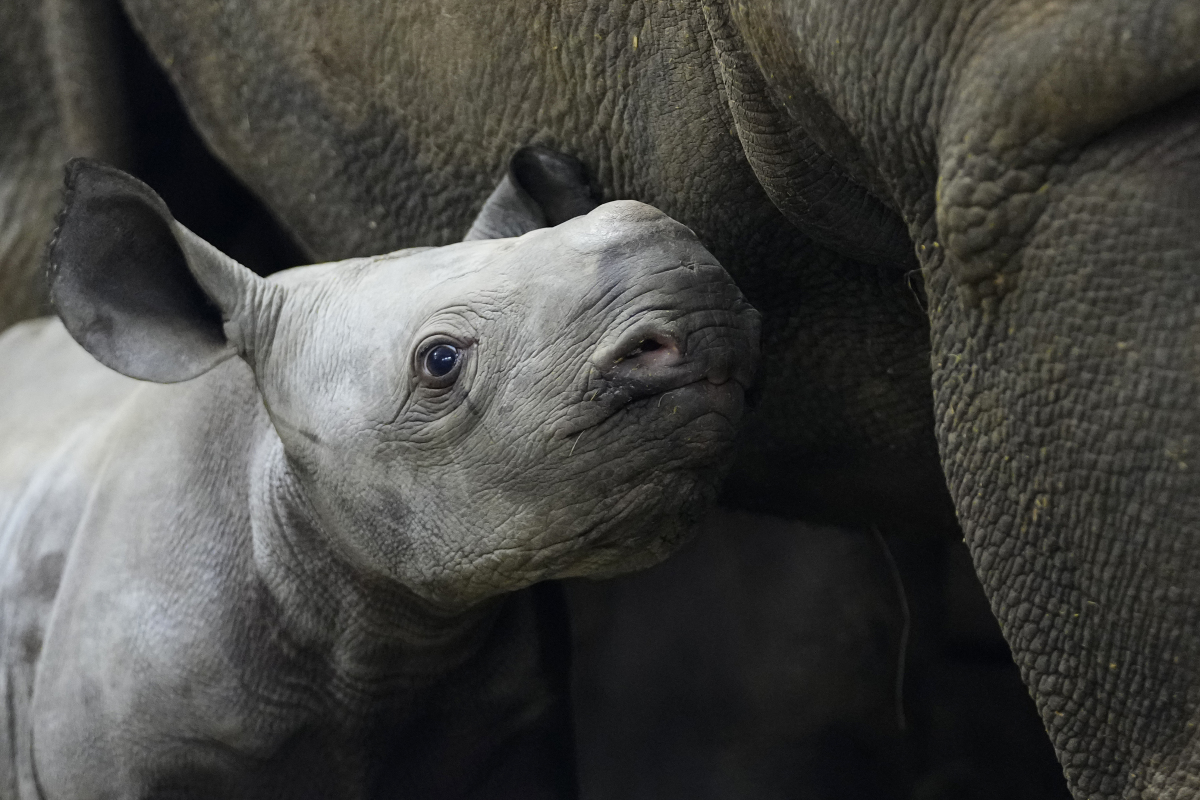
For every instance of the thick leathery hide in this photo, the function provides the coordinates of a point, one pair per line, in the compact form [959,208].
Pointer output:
[1068,425]
[1043,156]
[809,186]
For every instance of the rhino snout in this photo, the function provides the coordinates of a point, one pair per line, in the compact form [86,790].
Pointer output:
[647,347]
[659,354]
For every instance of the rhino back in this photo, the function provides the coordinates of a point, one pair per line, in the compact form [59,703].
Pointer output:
[53,391]
[57,401]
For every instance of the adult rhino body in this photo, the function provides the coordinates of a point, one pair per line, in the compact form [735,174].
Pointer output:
[284,574]
[1041,157]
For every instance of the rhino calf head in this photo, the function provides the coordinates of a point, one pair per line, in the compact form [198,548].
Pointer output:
[463,420]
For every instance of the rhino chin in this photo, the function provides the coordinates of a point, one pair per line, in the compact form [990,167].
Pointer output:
[621,549]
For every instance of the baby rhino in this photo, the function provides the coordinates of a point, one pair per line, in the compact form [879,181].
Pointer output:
[267,546]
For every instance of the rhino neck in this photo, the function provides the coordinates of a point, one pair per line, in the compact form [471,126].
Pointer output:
[367,631]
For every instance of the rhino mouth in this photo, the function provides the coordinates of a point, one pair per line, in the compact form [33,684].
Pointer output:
[651,514]
[670,408]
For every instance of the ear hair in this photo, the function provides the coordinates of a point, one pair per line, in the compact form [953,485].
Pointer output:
[140,292]
[541,188]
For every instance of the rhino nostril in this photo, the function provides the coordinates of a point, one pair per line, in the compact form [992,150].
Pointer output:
[644,346]
[652,348]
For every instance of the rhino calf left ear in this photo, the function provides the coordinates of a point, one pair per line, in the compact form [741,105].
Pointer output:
[140,292]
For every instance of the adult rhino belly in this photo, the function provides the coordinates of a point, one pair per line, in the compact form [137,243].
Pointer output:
[55,405]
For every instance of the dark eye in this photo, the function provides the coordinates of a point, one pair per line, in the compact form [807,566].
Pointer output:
[441,359]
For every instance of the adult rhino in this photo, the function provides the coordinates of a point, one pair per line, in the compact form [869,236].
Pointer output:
[1039,158]
[282,563]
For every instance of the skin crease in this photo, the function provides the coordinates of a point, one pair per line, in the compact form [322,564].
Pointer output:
[1038,154]
[284,574]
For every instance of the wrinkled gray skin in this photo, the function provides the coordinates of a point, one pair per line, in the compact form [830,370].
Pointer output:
[1039,156]
[284,574]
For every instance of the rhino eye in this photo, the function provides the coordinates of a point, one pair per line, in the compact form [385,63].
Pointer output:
[441,360]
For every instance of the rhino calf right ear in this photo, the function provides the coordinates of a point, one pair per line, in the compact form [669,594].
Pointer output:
[542,188]
[141,293]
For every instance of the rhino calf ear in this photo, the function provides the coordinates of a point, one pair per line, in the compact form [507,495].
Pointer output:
[141,293]
[542,188]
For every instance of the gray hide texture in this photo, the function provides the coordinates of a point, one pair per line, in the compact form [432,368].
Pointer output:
[291,573]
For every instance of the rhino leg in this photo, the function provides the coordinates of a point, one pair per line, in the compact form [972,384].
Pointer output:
[60,81]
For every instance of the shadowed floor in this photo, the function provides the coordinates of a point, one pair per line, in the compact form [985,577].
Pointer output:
[761,661]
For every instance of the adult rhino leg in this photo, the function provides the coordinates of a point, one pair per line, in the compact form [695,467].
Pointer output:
[1066,381]
[1055,212]
[60,98]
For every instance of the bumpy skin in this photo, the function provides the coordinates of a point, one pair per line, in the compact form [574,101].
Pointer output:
[288,574]
[1046,156]
[1042,157]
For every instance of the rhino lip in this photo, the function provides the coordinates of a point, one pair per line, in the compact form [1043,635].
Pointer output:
[615,402]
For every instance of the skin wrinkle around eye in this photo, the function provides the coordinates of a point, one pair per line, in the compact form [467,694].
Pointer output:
[460,324]
[483,360]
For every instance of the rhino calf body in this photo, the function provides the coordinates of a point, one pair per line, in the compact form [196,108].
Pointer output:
[282,563]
